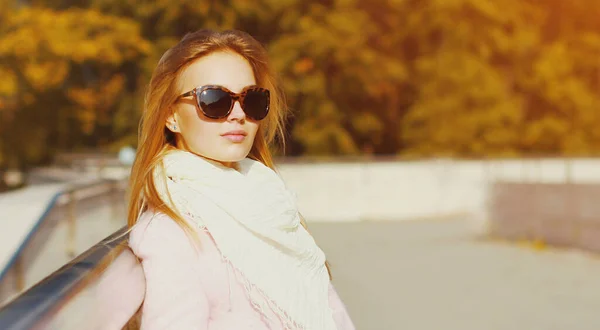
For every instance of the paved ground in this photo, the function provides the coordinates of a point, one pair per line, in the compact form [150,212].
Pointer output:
[438,275]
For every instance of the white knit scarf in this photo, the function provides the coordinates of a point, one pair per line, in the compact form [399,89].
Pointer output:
[255,223]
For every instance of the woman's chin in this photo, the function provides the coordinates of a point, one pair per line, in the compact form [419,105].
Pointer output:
[231,155]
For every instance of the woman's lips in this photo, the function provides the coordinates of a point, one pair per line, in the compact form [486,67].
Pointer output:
[235,136]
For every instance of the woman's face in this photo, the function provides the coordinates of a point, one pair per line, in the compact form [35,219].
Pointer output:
[214,138]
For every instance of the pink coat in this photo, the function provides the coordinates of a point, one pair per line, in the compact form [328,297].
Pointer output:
[192,288]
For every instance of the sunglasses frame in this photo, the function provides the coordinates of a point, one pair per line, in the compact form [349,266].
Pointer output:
[234,96]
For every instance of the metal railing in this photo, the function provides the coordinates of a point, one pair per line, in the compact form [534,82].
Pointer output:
[60,212]
[45,305]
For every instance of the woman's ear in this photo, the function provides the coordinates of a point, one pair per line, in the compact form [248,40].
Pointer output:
[171,123]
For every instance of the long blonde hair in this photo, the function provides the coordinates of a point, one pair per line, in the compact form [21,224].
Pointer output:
[155,139]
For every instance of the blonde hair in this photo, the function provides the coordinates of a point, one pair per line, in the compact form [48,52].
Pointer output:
[155,140]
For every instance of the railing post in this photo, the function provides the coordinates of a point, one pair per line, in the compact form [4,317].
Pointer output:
[19,274]
[116,201]
[71,225]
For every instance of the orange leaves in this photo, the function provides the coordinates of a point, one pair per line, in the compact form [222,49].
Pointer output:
[77,35]
[303,65]
[92,103]
[8,82]
[97,97]
[47,74]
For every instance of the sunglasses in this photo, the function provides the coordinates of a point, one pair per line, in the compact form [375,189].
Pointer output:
[216,102]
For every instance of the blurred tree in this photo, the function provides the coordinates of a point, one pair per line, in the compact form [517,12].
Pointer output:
[469,53]
[495,78]
[562,82]
[62,75]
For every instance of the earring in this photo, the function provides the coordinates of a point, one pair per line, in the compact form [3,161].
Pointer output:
[174,127]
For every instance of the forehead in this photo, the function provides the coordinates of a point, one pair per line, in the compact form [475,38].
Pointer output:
[226,69]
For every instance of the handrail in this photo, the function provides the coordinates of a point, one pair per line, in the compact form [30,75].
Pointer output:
[59,198]
[36,303]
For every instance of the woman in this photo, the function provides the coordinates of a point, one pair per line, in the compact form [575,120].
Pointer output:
[219,237]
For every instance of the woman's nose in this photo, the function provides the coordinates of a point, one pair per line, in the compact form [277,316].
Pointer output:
[237,113]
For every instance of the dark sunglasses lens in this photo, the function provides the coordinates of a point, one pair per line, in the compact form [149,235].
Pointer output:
[256,103]
[214,103]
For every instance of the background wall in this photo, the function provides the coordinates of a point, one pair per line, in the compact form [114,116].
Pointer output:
[363,191]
